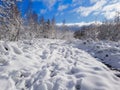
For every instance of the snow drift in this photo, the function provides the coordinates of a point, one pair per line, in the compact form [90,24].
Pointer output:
[52,65]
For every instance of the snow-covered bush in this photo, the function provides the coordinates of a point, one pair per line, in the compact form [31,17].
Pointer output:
[108,30]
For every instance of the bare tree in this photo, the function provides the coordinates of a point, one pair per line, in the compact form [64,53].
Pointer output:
[10,19]
[53,28]
[117,26]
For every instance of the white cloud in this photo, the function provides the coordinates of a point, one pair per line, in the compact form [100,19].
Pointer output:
[48,3]
[109,11]
[19,0]
[94,1]
[76,2]
[62,7]
[43,11]
[85,11]
[107,8]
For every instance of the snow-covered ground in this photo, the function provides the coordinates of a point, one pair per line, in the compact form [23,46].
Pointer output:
[46,64]
[105,51]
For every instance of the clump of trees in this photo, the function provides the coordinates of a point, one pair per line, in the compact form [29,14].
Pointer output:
[108,30]
[13,27]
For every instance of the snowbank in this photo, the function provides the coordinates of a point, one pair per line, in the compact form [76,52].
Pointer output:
[105,51]
[52,65]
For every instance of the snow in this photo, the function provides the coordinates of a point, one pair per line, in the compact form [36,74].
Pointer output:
[105,51]
[45,64]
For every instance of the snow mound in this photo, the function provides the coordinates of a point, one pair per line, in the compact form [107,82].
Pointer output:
[51,65]
[106,51]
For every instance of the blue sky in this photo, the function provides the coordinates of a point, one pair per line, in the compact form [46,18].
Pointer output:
[74,11]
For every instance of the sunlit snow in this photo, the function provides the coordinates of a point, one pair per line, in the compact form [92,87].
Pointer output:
[46,64]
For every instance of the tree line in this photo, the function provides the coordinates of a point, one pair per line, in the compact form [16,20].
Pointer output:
[13,27]
[107,30]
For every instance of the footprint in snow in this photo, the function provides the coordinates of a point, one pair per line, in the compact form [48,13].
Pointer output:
[16,50]
[44,54]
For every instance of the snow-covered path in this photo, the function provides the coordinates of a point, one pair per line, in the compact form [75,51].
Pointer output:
[51,65]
